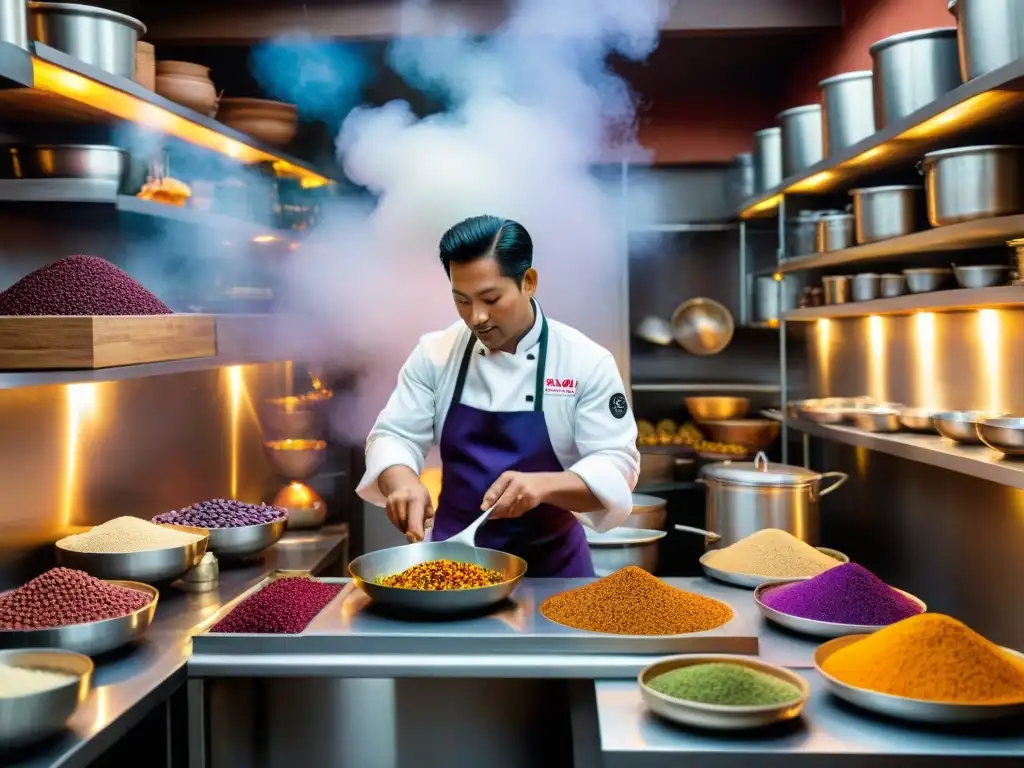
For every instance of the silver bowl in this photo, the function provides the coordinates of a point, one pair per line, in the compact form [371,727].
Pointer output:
[823,415]
[152,566]
[304,506]
[717,716]
[827,629]
[1004,434]
[893,285]
[296,459]
[926,279]
[91,638]
[366,569]
[28,719]
[876,419]
[985,276]
[917,419]
[753,580]
[916,710]
[236,543]
[961,426]
[620,547]
[702,326]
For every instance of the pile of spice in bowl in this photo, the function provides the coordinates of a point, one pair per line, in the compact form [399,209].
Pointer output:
[16,682]
[848,594]
[439,575]
[62,597]
[769,554]
[725,684]
[127,534]
[631,601]
[222,513]
[929,658]
[284,606]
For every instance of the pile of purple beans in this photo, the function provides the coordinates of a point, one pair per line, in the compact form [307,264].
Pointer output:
[79,285]
[64,596]
[284,606]
[223,513]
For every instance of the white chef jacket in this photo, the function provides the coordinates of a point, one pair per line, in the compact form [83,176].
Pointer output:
[591,433]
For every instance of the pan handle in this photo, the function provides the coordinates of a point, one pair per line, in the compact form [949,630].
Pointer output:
[841,477]
[709,535]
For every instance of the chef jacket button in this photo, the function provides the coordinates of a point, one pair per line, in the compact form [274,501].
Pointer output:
[483,352]
[529,398]
[530,357]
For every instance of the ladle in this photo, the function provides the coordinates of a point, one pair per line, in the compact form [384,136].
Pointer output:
[709,535]
[468,534]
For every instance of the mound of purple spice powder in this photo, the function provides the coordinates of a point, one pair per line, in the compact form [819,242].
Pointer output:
[284,606]
[222,513]
[846,594]
[79,285]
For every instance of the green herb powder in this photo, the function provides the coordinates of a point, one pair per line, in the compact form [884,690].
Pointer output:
[726,684]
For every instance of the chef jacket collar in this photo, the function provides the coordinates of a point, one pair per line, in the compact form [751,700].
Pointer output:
[531,338]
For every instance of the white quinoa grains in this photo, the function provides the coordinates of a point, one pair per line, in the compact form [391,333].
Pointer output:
[771,552]
[21,681]
[127,534]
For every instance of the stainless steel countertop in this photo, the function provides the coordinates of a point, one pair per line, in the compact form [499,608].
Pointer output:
[829,732]
[131,681]
[350,639]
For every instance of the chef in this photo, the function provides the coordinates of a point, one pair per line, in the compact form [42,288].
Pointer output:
[530,416]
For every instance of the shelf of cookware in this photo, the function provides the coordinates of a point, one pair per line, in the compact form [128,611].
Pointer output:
[980,233]
[629,735]
[974,460]
[991,99]
[698,386]
[955,300]
[65,88]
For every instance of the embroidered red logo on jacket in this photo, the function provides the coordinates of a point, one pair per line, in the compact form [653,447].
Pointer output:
[560,386]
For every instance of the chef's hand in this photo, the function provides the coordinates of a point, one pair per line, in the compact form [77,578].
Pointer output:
[516,493]
[408,502]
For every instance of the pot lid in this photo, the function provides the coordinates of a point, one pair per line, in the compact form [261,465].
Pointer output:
[759,472]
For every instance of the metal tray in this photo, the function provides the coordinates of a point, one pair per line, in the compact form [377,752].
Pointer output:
[916,710]
[826,629]
[752,580]
[92,638]
[28,719]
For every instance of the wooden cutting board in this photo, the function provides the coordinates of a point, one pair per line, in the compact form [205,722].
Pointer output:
[103,341]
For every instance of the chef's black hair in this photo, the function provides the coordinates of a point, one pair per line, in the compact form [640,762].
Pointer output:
[505,240]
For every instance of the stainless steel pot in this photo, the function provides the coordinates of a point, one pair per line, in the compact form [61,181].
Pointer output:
[893,285]
[837,288]
[834,232]
[745,497]
[14,23]
[801,138]
[105,39]
[741,177]
[990,33]
[97,162]
[967,183]
[621,547]
[768,292]
[911,70]
[767,159]
[649,512]
[885,212]
[802,232]
[848,110]
[866,286]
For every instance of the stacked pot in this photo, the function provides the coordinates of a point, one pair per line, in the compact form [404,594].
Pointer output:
[187,84]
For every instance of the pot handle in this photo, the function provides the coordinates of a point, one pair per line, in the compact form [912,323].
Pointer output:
[709,535]
[841,477]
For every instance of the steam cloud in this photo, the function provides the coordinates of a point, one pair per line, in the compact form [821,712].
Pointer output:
[531,109]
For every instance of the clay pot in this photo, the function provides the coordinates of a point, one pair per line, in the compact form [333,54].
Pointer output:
[193,92]
[182,68]
[145,65]
[273,122]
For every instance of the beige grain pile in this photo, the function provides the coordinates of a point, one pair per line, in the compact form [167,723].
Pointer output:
[127,534]
[19,681]
[771,552]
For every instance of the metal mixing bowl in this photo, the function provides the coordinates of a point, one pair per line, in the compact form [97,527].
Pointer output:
[917,419]
[982,276]
[717,408]
[152,566]
[27,719]
[237,543]
[961,426]
[702,326]
[91,638]
[385,562]
[620,547]
[1003,434]
[752,434]
[296,459]
[876,419]
[927,279]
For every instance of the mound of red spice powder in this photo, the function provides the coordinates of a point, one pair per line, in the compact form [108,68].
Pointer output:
[64,596]
[79,285]
[284,606]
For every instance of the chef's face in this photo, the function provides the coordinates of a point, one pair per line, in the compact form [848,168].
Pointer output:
[496,308]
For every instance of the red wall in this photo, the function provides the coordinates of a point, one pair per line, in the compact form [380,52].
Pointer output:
[705,130]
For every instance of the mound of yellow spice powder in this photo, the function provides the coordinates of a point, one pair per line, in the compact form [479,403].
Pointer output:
[771,552]
[633,602]
[931,657]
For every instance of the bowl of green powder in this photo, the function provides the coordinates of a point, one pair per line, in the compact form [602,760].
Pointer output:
[722,692]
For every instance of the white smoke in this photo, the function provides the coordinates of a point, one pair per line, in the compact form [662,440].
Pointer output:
[532,108]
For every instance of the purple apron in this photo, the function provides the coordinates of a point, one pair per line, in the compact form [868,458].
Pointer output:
[476,447]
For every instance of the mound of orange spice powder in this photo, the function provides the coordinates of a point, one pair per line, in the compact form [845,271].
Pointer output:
[633,602]
[931,657]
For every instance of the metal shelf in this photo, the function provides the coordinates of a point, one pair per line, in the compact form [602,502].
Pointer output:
[955,237]
[690,386]
[960,300]
[990,100]
[977,461]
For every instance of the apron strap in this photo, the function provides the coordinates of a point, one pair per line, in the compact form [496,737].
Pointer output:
[542,356]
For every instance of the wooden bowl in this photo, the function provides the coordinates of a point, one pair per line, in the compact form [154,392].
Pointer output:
[192,92]
[182,68]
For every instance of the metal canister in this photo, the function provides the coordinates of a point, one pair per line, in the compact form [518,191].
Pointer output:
[14,23]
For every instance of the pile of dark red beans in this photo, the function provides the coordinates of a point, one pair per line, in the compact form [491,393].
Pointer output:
[64,596]
[223,513]
[284,606]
